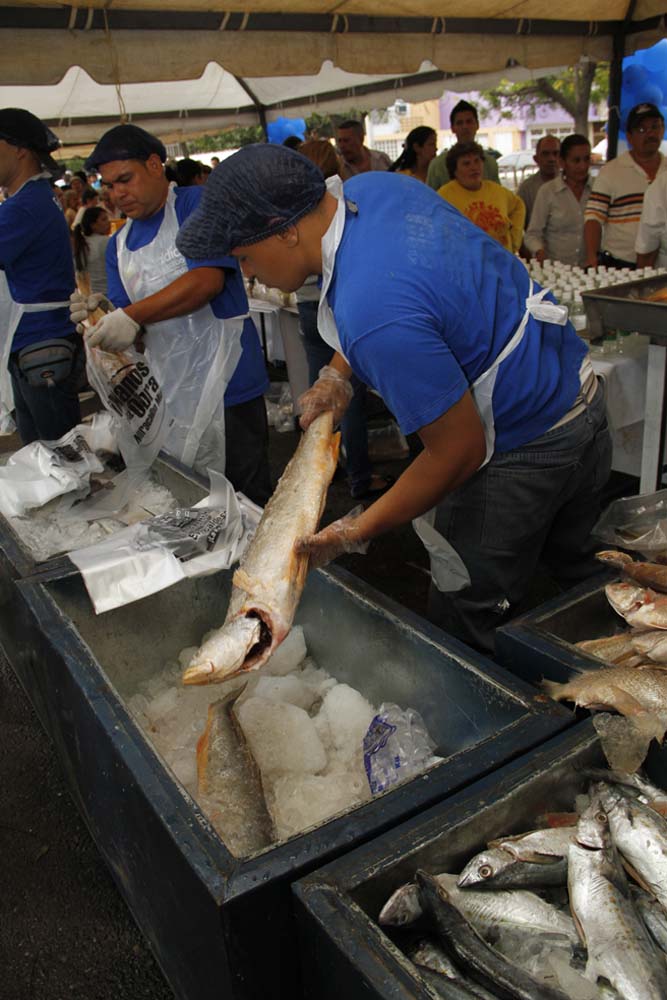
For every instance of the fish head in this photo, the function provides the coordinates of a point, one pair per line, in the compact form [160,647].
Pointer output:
[485,867]
[593,826]
[624,597]
[402,907]
[614,558]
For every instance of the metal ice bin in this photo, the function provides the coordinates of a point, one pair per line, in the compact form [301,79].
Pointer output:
[345,953]
[542,643]
[624,307]
[17,560]
[219,925]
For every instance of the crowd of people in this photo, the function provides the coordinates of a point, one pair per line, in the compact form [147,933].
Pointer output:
[404,283]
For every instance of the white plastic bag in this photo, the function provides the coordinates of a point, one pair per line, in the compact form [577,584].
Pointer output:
[149,556]
[43,470]
[397,747]
[636,523]
[132,395]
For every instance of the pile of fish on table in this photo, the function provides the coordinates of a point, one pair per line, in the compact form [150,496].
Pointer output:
[635,682]
[550,914]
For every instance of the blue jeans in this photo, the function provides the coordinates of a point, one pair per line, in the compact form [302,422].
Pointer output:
[45,413]
[539,502]
[354,432]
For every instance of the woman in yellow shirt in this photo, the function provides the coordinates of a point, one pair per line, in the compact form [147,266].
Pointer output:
[419,148]
[493,208]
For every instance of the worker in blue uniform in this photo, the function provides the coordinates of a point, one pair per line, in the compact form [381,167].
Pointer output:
[447,326]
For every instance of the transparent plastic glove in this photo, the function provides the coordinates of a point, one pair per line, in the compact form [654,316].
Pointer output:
[335,540]
[114,332]
[81,306]
[332,391]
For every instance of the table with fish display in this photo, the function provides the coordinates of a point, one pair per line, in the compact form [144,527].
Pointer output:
[510,889]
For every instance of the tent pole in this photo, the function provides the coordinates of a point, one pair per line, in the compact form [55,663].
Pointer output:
[261,110]
[616,83]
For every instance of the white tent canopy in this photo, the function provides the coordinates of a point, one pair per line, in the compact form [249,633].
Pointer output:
[79,67]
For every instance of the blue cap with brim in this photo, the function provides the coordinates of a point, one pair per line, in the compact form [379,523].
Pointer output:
[254,194]
[125,142]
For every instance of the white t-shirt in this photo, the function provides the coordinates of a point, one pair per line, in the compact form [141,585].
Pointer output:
[652,232]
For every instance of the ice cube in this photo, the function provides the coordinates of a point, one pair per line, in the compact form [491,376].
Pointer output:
[185,769]
[288,689]
[317,679]
[288,655]
[625,741]
[299,801]
[349,716]
[162,704]
[281,736]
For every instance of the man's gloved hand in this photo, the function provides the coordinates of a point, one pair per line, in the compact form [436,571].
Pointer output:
[81,306]
[332,391]
[336,539]
[114,332]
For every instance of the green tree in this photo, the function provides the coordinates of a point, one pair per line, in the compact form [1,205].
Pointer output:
[573,90]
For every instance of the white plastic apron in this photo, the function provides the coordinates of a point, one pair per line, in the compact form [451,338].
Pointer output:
[194,356]
[448,570]
[10,317]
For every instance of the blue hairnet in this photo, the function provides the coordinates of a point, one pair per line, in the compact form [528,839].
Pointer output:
[125,142]
[253,194]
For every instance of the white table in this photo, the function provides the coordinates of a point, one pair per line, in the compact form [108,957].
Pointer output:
[626,377]
[282,341]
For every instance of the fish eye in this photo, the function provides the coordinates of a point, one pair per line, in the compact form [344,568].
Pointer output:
[485,871]
[601,817]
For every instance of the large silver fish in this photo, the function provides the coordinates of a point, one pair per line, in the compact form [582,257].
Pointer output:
[619,947]
[641,607]
[537,858]
[646,792]
[268,584]
[484,910]
[640,834]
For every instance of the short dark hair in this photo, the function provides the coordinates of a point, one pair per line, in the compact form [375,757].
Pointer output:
[570,141]
[459,150]
[89,194]
[543,137]
[462,106]
[292,142]
[187,172]
[353,124]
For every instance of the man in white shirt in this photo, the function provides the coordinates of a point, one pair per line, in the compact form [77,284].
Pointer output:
[651,243]
[615,205]
[546,158]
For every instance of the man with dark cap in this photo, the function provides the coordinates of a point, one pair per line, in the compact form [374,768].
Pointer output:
[614,208]
[464,123]
[39,345]
[193,314]
[464,349]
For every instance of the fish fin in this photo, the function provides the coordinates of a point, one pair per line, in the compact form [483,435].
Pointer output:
[335,447]
[634,874]
[554,689]
[631,659]
[625,703]
[653,665]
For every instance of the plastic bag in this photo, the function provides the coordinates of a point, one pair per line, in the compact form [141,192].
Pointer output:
[40,471]
[132,395]
[636,523]
[396,746]
[280,410]
[387,443]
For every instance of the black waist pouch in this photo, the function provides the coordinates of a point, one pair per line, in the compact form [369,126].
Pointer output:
[48,362]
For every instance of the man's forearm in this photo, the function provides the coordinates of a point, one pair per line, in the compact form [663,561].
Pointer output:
[340,364]
[186,294]
[592,239]
[647,259]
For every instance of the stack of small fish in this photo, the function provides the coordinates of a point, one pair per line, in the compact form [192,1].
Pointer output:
[492,935]
[635,682]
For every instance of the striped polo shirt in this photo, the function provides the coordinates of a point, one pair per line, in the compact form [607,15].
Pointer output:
[616,203]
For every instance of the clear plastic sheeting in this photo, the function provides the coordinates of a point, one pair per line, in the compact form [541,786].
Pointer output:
[636,523]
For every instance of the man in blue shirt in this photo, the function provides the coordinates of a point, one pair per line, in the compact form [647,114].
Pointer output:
[194,316]
[446,325]
[38,343]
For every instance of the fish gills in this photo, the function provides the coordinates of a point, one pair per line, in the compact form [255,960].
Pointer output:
[229,782]
[267,586]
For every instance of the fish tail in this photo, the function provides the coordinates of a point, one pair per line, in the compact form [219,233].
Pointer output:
[553,688]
